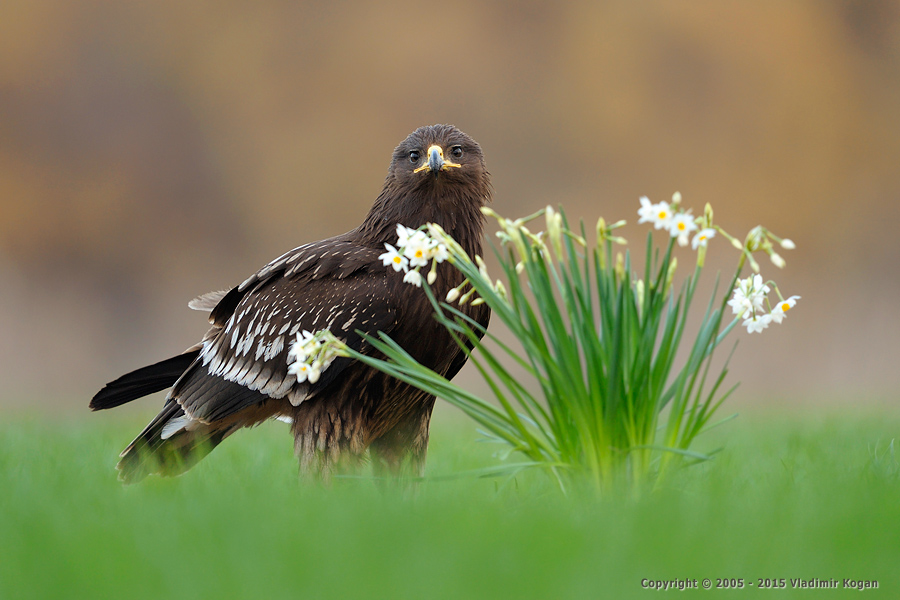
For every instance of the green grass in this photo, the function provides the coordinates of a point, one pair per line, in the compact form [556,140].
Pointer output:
[786,498]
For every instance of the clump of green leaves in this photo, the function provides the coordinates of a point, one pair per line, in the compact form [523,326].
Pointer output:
[604,405]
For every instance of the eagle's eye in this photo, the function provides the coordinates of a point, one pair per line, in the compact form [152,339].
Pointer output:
[456,151]
[414,156]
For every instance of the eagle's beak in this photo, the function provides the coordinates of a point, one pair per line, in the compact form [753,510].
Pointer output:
[436,162]
[435,159]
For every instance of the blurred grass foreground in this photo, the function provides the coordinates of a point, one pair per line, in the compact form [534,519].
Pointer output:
[785,499]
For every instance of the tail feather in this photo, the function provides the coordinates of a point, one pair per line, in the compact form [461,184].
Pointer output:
[150,453]
[142,382]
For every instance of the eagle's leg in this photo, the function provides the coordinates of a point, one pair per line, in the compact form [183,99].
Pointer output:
[401,451]
[327,441]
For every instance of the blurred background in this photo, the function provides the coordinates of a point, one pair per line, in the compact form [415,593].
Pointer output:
[153,151]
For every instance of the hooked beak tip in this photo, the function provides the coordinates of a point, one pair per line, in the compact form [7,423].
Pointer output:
[435,159]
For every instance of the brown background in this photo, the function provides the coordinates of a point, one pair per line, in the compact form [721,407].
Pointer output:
[153,151]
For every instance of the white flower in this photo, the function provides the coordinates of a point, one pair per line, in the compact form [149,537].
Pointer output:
[417,249]
[647,211]
[702,237]
[305,337]
[414,278]
[418,237]
[661,215]
[304,346]
[403,234]
[749,296]
[300,370]
[757,323]
[439,253]
[681,226]
[312,355]
[393,258]
[778,313]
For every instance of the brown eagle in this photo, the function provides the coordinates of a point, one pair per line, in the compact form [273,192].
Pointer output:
[238,376]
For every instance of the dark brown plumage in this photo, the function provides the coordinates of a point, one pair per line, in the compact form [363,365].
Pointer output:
[237,376]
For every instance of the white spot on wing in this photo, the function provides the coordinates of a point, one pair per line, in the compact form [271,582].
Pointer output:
[174,426]
[276,347]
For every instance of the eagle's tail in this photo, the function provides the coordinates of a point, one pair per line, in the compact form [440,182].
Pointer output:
[144,381]
[170,445]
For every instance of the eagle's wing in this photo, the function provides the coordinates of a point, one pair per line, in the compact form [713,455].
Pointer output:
[333,285]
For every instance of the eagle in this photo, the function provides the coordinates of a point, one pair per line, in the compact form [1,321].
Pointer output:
[238,375]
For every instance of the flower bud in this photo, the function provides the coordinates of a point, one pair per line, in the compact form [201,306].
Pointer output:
[755,238]
[670,275]
[554,230]
[315,371]
[500,289]
[453,294]
[777,260]
[676,199]
[708,215]
[701,255]
[467,296]
[432,274]
[482,268]
[753,264]
[787,244]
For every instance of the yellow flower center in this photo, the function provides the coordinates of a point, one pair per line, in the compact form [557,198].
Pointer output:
[397,260]
[785,307]
[418,254]
[662,214]
[702,238]
[681,226]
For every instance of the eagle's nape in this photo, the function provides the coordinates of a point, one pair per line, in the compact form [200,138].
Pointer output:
[238,376]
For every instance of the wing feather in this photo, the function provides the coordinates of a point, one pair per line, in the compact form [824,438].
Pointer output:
[244,359]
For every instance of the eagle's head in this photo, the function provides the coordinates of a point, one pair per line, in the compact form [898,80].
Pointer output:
[437,156]
[437,174]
